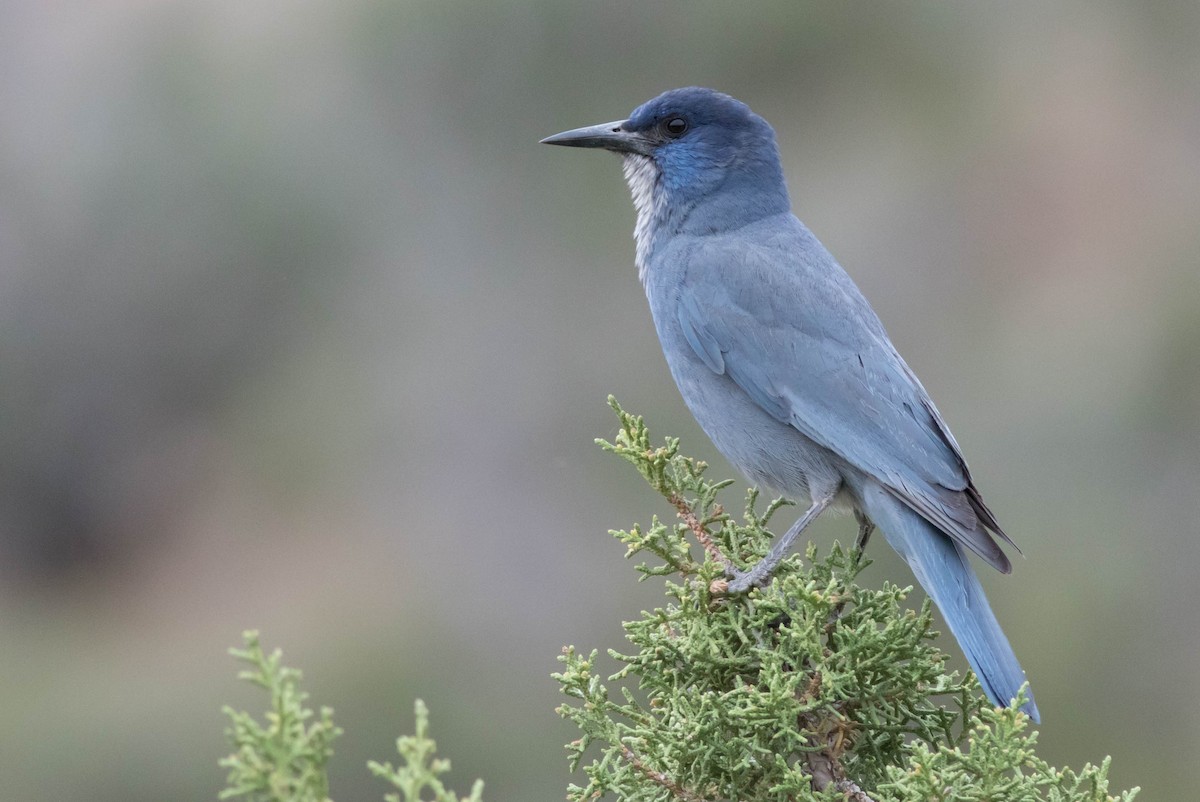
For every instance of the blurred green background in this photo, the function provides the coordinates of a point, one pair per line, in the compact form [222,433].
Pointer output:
[300,329]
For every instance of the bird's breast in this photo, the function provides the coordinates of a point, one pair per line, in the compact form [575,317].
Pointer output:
[768,452]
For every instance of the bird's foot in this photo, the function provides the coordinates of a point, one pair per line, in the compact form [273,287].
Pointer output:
[865,528]
[741,581]
[759,575]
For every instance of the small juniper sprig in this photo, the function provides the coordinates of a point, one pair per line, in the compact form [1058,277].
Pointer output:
[283,759]
[420,770]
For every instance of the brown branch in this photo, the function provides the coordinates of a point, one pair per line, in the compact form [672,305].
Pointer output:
[829,741]
[853,792]
[826,770]
[697,527]
[820,768]
[659,777]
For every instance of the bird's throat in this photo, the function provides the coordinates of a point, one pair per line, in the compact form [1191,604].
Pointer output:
[649,199]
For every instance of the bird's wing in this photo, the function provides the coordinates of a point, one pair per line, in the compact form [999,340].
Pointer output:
[786,323]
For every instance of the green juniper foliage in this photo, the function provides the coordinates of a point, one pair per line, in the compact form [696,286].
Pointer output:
[420,769]
[812,688]
[285,759]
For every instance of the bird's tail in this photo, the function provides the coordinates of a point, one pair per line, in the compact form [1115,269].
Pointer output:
[942,569]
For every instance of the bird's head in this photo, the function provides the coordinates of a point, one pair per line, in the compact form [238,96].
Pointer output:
[690,145]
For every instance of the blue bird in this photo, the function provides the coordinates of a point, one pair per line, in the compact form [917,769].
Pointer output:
[785,365]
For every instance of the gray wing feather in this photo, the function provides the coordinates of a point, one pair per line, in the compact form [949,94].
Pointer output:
[702,342]
[790,328]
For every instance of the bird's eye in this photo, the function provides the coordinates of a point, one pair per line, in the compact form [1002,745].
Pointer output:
[675,127]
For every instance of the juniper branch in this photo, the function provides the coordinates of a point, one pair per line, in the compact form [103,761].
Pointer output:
[813,688]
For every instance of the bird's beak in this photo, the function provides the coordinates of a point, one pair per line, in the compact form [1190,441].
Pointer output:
[610,136]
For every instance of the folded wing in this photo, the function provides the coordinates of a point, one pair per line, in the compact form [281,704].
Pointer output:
[788,326]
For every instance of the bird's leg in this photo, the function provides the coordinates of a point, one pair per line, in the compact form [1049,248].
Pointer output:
[865,528]
[760,574]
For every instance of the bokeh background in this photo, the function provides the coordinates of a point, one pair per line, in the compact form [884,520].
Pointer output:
[301,330]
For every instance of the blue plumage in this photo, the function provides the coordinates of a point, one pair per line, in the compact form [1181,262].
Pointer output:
[784,363]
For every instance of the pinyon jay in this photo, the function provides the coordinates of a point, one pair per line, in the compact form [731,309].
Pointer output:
[785,365]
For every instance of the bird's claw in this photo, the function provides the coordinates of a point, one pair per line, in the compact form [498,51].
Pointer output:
[742,581]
